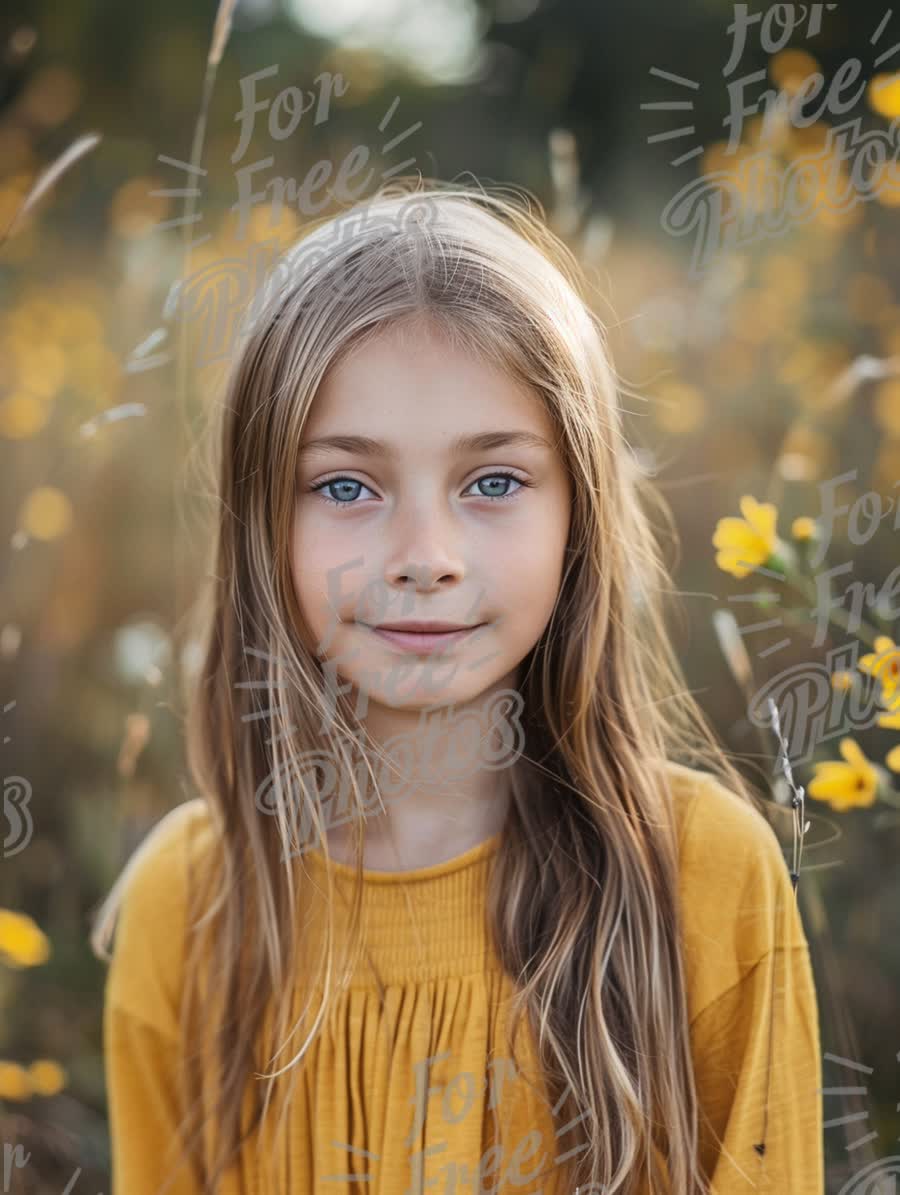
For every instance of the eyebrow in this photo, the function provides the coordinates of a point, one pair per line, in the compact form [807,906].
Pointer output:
[481,442]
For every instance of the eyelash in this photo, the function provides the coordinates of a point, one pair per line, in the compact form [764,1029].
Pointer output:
[489,497]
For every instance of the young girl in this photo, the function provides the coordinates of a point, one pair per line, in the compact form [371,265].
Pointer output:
[471,899]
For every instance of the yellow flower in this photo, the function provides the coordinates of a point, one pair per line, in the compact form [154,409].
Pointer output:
[46,1077]
[892,759]
[21,940]
[14,1083]
[803,528]
[884,665]
[884,94]
[889,721]
[746,543]
[46,513]
[849,785]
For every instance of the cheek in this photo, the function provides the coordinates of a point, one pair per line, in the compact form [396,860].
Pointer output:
[535,589]
[530,550]
[337,577]
[526,572]
[319,568]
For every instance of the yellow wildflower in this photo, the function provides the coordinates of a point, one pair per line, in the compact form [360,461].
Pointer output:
[14,1083]
[803,528]
[889,721]
[22,942]
[848,785]
[46,1077]
[746,543]
[884,665]
[892,759]
[884,94]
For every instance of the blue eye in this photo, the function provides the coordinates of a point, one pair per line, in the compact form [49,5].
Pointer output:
[349,488]
[493,478]
[340,483]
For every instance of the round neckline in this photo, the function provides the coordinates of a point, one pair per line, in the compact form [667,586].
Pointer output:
[372,875]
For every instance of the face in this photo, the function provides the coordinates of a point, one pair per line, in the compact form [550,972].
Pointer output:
[428,490]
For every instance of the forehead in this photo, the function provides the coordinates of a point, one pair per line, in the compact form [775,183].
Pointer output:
[412,385]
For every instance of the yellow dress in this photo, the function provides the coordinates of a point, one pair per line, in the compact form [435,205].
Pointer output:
[420,1094]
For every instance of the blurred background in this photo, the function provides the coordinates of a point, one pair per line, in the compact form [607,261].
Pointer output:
[745,259]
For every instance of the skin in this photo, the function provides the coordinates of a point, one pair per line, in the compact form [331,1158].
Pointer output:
[426,541]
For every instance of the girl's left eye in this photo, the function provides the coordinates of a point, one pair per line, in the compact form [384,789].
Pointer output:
[348,499]
[492,478]
[342,482]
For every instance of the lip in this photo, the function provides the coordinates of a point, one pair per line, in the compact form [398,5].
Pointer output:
[423,626]
[425,636]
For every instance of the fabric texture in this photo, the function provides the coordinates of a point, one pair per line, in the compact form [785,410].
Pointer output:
[419,1094]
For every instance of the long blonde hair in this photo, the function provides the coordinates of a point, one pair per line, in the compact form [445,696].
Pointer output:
[582,902]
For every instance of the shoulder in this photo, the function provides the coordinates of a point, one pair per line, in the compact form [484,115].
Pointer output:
[715,822]
[736,899]
[150,929]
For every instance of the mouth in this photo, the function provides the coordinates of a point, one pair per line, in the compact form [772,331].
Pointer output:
[425,637]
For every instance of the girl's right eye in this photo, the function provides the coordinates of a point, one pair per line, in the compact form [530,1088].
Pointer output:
[340,484]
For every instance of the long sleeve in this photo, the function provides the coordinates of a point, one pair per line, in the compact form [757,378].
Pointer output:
[759,1079]
[144,1112]
[758,1071]
[753,1011]
[140,1015]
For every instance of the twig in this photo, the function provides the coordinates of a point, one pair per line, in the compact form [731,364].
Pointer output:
[54,171]
[798,799]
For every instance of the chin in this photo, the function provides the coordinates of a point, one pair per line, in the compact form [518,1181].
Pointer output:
[420,694]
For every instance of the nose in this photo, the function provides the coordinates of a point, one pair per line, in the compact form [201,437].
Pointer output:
[425,554]
[422,577]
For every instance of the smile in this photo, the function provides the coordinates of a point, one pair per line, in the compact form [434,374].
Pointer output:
[423,642]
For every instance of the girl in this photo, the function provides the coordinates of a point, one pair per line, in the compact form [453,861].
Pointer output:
[456,888]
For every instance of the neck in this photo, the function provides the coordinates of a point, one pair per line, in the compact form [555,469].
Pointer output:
[444,780]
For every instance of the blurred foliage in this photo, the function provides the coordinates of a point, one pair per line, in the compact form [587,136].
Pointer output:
[772,372]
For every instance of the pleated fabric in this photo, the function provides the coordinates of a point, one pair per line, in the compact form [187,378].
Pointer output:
[410,1086]
[418,1090]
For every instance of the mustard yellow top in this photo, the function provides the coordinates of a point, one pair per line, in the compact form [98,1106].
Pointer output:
[419,1095]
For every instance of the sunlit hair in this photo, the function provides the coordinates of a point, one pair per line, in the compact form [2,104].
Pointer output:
[583,891]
